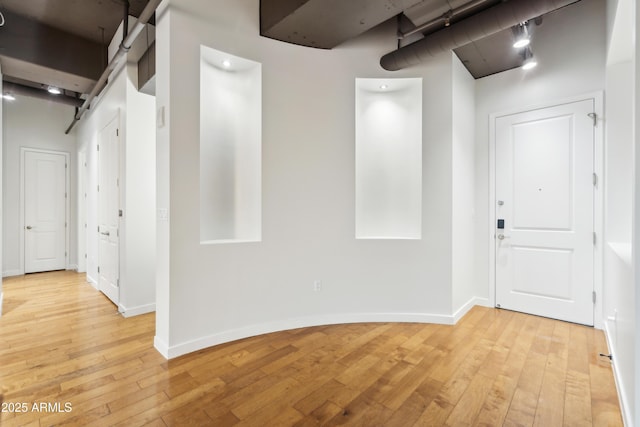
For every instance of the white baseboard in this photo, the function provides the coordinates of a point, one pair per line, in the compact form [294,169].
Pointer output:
[161,346]
[10,273]
[93,281]
[1,300]
[625,405]
[73,267]
[459,314]
[171,352]
[136,311]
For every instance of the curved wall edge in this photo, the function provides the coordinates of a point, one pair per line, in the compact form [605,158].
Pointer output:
[171,352]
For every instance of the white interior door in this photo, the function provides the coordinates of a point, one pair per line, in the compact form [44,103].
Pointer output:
[108,211]
[545,197]
[45,211]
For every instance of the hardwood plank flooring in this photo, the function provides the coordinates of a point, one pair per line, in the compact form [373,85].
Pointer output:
[68,358]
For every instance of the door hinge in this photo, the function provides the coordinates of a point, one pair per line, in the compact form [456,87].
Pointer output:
[65,254]
[85,256]
[117,182]
[65,165]
[65,195]
[98,147]
[120,212]
[594,238]
[593,296]
[118,282]
[594,116]
[595,179]
[98,229]
[98,269]
[117,132]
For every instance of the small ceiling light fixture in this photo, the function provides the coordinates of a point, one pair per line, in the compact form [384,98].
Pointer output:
[522,38]
[383,87]
[529,60]
[226,63]
[9,97]
[529,63]
[54,90]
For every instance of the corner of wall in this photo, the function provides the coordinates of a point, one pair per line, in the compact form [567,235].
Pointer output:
[625,407]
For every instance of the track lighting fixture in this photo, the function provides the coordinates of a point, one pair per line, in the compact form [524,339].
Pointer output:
[529,60]
[522,36]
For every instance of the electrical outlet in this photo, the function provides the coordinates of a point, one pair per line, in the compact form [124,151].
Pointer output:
[317,285]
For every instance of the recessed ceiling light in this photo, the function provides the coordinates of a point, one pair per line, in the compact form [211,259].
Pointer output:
[9,97]
[522,42]
[226,63]
[383,87]
[54,90]
[529,64]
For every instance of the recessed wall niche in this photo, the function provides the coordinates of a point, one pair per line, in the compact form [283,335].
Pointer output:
[230,148]
[389,158]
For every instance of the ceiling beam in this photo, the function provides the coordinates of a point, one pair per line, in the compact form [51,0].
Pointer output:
[325,23]
[29,41]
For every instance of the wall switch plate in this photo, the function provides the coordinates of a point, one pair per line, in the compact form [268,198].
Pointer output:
[317,285]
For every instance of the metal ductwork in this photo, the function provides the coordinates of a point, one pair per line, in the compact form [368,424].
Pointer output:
[126,44]
[476,27]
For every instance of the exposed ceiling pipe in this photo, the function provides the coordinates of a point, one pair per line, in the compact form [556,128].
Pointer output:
[444,18]
[146,14]
[125,20]
[18,89]
[476,27]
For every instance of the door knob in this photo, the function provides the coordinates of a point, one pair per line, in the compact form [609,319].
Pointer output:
[502,237]
[104,233]
[28,227]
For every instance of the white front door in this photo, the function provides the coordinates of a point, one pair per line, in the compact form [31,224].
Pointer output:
[545,212]
[108,211]
[45,211]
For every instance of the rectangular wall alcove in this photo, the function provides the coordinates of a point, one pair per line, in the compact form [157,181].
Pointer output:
[230,148]
[389,158]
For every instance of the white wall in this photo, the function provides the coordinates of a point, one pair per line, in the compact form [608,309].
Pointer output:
[209,294]
[465,286]
[138,245]
[1,198]
[619,306]
[635,26]
[33,123]
[571,62]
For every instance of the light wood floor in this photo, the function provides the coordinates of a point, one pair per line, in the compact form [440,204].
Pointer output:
[62,342]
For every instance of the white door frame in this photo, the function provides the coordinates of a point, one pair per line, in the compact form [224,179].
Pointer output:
[598,200]
[23,151]
[82,212]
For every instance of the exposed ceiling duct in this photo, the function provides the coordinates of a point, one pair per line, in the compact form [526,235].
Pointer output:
[476,27]
[126,44]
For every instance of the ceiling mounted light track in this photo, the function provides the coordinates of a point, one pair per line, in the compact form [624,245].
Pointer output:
[483,24]
[523,39]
